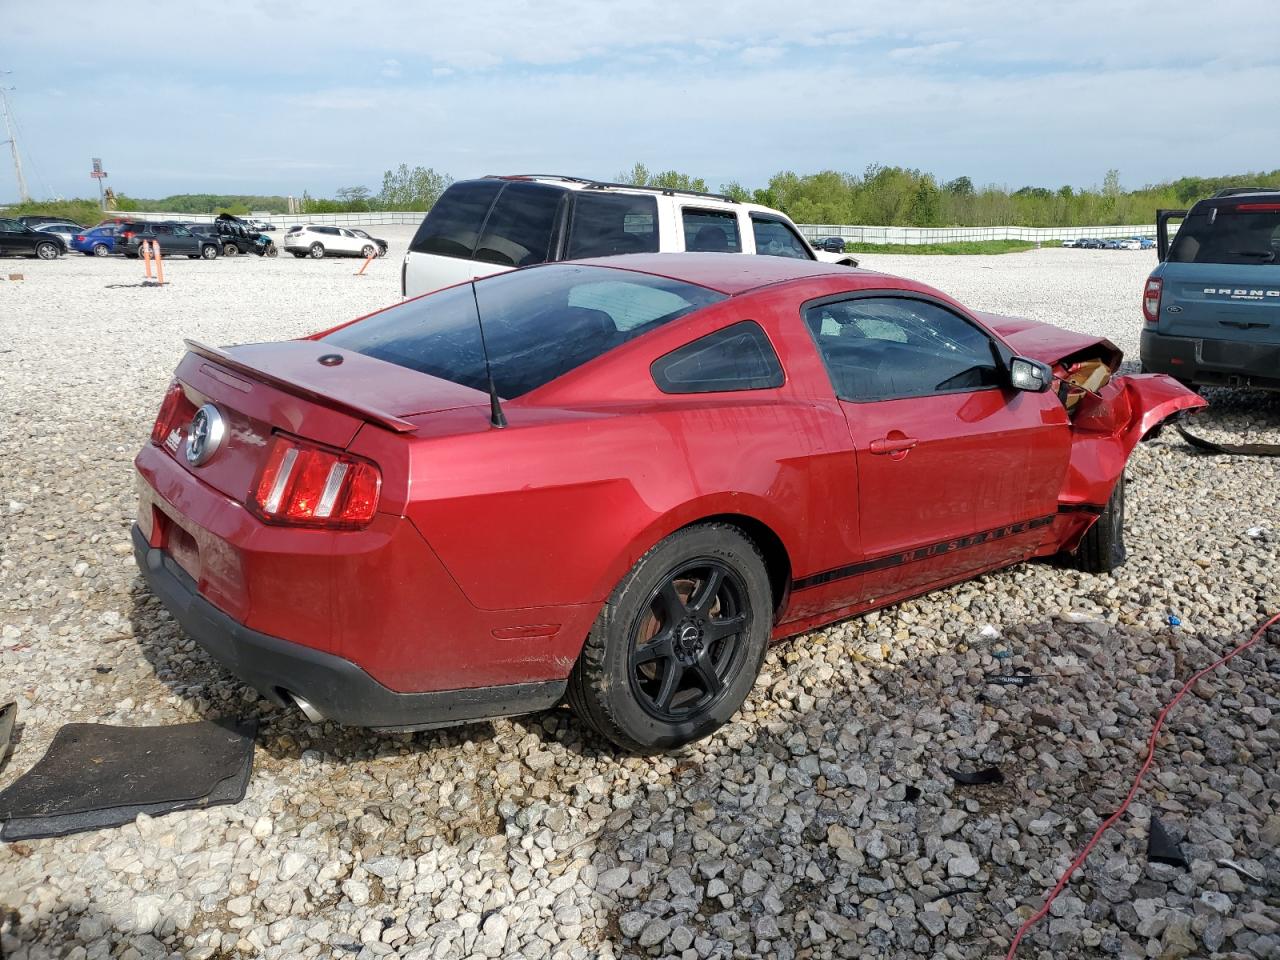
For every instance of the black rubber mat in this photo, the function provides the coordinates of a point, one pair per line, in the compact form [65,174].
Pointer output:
[95,775]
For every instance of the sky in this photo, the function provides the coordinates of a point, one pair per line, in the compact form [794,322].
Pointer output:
[258,96]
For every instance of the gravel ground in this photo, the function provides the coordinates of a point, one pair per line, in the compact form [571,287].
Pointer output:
[820,822]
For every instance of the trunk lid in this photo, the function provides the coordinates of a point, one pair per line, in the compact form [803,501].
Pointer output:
[267,387]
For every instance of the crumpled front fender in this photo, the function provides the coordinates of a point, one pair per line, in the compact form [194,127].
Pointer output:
[1108,425]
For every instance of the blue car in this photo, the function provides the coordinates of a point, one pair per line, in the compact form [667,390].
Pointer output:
[98,242]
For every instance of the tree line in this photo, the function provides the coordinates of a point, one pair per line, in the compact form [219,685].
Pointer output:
[880,195]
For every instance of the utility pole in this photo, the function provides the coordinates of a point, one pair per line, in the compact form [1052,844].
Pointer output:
[23,195]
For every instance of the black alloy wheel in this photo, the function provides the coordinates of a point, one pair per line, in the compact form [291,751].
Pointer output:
[688,640]
[679,643]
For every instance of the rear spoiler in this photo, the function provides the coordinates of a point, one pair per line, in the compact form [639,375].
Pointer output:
[1162,230]
[380,417]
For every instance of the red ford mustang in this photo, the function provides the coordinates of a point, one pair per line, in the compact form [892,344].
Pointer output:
[666,462]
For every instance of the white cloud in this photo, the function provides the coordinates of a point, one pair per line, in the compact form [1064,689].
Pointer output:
[925,51]
[390,68]
[757,55]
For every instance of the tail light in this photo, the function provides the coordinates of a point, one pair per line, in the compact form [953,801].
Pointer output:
[1151,300]
[309,486]
[127,234]
[175,411]
[80,237]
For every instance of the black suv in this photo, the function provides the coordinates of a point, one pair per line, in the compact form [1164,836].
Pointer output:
[18,239]
[174,239]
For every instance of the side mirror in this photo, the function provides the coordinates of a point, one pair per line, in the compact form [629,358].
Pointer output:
[1027,374]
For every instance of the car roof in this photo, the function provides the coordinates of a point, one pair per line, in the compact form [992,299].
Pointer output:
[728,273]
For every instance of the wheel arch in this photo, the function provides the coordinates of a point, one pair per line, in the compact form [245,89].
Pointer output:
[753,519]
[777,560]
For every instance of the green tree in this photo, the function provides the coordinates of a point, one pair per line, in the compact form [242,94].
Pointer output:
[412,189]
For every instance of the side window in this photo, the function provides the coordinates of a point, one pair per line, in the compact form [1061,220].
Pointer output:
[163,229]
[605,224]
[738,357]
[453,225]
[520,226]
[711,231]
[10,226]
[348,234]
[181,232]
[881,348]
[775,239]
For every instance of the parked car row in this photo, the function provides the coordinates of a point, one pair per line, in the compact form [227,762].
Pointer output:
[1111,243]
[227,235]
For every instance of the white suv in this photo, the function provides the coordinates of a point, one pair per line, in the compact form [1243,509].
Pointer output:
[485,226]
[320,242]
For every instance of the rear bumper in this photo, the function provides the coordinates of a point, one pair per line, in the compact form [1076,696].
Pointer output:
[1227,363]
[333,685]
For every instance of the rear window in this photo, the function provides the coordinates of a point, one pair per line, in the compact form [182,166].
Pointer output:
[453,225]
[1229,235]
[538,324]
[605,224]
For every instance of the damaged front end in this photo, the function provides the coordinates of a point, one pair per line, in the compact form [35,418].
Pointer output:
[1109,414]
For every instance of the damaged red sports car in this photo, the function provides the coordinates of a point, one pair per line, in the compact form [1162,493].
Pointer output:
[617,481]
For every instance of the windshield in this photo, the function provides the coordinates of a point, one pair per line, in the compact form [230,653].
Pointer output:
[1230,235]
[539,324]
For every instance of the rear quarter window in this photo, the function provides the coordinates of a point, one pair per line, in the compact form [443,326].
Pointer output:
[739,357]
[607,224]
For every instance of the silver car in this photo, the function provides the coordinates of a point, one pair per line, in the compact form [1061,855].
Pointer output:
[66,232]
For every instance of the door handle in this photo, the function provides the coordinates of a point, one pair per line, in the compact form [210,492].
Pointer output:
[895,446]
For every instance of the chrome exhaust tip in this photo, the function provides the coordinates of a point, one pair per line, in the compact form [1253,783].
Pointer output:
[310,712]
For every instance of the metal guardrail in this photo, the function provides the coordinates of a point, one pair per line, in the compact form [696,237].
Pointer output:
[406,217]
[913,236]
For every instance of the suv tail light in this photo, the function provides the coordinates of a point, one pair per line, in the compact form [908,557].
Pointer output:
[175,411]
[1151,300]
[305,485]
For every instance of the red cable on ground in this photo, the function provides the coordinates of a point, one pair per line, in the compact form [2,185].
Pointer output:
[1137,782]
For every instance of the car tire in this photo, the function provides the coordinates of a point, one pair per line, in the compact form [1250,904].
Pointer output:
[315,251]
[209,251]
[382,251]
[101,250]
[367,251]
[1102,549]
[47,251]
[663,664]
[230,249]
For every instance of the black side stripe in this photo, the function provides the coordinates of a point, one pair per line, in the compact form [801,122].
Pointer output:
[920,553]
[1081,508]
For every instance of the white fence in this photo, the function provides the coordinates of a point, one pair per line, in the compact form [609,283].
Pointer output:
[813,231]
[918,235]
